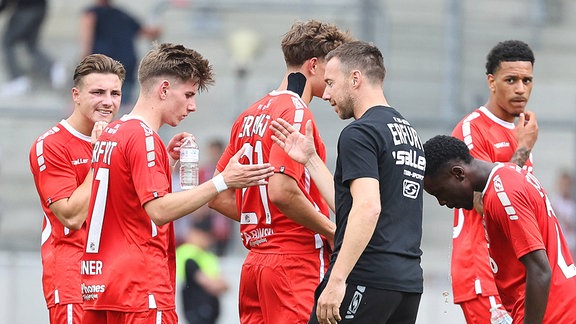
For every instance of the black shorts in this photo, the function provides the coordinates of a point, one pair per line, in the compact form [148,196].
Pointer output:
[363,304]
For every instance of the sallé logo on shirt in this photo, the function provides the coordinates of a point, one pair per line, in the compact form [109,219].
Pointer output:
[79,161]
[501,145]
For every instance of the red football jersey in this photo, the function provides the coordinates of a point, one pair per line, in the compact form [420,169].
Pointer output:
[263,227]
[128,264]
[491,139]
[60,161]
[519,220]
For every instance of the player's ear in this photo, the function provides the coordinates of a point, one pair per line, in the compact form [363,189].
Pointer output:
[491,82]
[458,172]
[163,89]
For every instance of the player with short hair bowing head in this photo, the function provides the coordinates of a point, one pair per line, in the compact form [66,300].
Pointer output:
[285,225]
[60,164]
[534,272]
[128,268]
[491,135]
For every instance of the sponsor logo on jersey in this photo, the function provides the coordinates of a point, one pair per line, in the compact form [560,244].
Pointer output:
[501,145]
[79,161]
[410,158]
[257,236]
[410,189]
[90,292]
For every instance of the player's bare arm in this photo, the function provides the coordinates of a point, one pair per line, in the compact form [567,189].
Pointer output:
[225,203]
[300,147]
[362,222]
[538,277]
[285,194]
[236,175]
[526,135]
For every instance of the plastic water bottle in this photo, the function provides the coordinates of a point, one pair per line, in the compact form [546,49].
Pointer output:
[499,316]
[189,163]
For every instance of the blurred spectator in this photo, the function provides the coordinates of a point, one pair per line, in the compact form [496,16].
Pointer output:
[110,30]
[23,27]
[198,271]
[222,226]
[564,206]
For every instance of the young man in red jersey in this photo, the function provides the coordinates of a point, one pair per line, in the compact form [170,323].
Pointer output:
[533,269]
[285,225]
[128,266]
[491,135]
[60,164]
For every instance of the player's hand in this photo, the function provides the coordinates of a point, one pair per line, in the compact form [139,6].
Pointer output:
[175,143]
[97,131]
[328,307]
[238,175]
[527,130]
[300,147]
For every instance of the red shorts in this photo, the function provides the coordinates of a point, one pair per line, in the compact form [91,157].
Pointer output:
[152,316]
[477,310]
[279,288]
[66,314]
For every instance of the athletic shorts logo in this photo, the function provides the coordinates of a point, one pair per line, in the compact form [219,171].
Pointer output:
[410,189]
[355,302]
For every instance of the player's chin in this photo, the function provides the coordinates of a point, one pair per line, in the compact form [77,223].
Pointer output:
[174,123]
[518,107]
[103,118]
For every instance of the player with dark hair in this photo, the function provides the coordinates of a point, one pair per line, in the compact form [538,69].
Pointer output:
[491,135]
[508,51]
[128,268]
[285,225]
[533,269]
[60,164]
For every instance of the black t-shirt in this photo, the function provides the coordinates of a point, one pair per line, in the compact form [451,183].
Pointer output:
[382,145]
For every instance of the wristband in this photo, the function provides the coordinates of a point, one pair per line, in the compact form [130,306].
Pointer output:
[219,183]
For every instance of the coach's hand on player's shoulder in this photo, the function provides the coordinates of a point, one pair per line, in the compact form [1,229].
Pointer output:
[527,130]
[238,175]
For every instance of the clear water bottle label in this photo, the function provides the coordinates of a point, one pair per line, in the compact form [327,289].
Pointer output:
[189,155]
